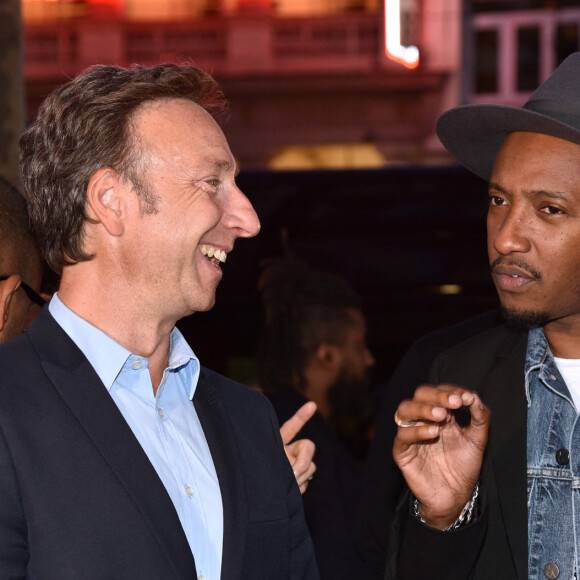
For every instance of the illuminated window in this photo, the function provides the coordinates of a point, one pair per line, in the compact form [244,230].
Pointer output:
[332,156]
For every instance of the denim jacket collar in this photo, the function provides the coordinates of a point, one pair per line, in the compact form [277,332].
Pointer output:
[539,358]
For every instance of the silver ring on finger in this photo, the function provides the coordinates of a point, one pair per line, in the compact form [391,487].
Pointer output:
[401,423]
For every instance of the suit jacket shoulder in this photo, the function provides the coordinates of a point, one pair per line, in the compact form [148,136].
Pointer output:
[470,361]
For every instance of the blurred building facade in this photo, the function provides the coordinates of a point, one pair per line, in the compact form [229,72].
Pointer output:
[309,82]
[514,45]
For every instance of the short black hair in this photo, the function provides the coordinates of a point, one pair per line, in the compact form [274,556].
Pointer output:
[19,253]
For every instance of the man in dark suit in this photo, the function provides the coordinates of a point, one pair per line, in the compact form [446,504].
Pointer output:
[492,474]
[121,457]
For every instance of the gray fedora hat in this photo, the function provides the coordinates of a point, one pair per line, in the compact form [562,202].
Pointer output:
[473,134]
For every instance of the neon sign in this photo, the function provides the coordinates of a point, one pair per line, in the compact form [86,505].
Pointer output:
[408,56]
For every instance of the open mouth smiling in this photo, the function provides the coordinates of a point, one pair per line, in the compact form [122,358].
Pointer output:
[214,255]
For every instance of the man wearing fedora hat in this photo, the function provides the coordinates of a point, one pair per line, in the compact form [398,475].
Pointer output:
[489,449]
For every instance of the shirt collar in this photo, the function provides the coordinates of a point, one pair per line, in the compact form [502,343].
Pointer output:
[537,350]
[106,355]
[539,359]
[182,357]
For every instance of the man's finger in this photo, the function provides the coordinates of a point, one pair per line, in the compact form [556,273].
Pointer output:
[300,454]
[305,479]
[480,414]
[292,427]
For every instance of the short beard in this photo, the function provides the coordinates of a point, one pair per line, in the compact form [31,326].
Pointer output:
[352,412]
[525,319]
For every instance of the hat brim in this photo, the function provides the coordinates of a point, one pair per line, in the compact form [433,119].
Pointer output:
[473,134]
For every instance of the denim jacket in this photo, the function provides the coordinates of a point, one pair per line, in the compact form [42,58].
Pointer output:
[553,458]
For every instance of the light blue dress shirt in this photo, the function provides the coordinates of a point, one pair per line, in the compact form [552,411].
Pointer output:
[166,426]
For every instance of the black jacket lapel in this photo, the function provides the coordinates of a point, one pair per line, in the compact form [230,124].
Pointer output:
[492,363]
[507,449]
[221,438]
[84,393]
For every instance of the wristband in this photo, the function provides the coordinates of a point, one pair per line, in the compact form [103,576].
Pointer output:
[464,517]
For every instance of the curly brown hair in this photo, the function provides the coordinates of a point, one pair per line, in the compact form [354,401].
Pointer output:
[86,125]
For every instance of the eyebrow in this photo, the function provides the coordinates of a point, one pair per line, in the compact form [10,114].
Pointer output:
[219,165]
[226,165]
[557,195]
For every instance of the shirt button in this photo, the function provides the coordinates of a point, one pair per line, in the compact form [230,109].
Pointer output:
[137,365]
[551,571]
[563,458]
[160,413]
[188,490]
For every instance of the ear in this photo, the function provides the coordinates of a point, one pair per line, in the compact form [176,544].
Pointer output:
[7,290]
[328,355]
[105,200]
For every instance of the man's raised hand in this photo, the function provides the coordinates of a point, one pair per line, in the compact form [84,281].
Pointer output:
[440,459]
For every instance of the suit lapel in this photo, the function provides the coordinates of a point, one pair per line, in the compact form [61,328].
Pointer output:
[507,448]
[83,392]
[221,438]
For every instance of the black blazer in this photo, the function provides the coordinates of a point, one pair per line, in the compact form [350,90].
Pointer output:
[331,501]
[383,482]
[495,545]
[80,498]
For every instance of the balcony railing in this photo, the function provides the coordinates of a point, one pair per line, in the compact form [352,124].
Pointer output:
[225,46]
[346,42]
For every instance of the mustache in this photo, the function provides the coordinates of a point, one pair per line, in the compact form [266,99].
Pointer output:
[502,261]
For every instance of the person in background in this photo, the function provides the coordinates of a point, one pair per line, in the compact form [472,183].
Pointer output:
[313,348]
[20,265]
[489,450]
[121,456]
